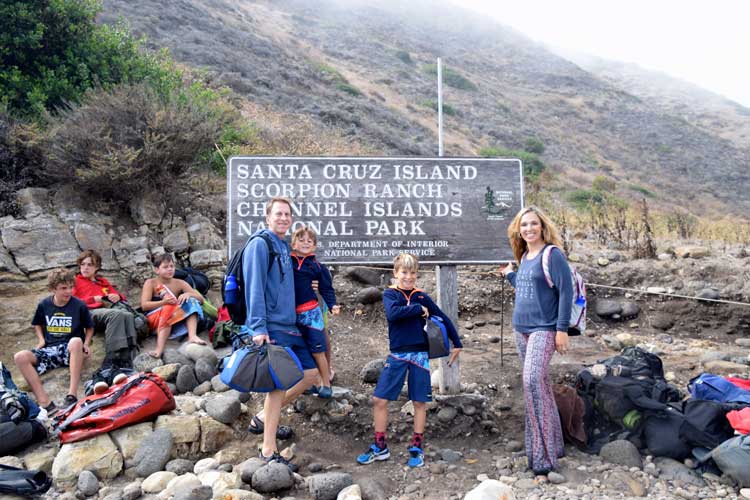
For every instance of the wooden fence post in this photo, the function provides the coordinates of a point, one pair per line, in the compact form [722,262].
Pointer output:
[446,278]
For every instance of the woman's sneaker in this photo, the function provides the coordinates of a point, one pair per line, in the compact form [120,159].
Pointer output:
[374,453]
[325,392]
[416,457]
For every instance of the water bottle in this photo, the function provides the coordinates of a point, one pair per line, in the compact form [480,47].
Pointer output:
[230,290]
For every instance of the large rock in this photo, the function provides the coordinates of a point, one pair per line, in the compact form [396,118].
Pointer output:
[214,434]
[129,438]
[39,458]
[157,482]
[179,466]
[372,370]
[621,452]
[676,471]
[224,409]
[153,453]
[98,454]
[491,489]
[352,492]
[88,484]
[272,478]
[184,428]
[218,385]
[248,468]
[364,275]
[203,234]
[186,380]
[692,251]
[171,356]
[327,486]
[167,372]
[176,240]
[207,258]
[369,295]
[237,494]
[607,308]
[197,351]
[40,243]
[205,370]
[145,362]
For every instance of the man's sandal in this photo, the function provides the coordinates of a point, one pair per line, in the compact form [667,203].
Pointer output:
[282,432]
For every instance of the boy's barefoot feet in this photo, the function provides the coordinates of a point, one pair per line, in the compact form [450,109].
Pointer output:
[331,375]
[196,340]
[154,354]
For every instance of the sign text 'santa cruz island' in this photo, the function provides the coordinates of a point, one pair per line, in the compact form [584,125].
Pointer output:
[367,210]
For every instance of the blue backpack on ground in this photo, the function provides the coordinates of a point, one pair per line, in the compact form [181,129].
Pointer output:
[711,387]
[233,285]
[437,337]
[578,308]
[261,368]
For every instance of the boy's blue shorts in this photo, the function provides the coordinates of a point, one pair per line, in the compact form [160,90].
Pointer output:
[310,323]
[397,366]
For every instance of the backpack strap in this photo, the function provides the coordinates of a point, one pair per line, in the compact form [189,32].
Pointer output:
[545,264]
[273,255]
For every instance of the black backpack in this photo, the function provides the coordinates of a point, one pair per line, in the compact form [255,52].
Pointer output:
[635,362]
[706,422]
[197,279]
[238,310]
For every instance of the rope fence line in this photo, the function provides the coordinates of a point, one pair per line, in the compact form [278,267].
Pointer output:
[666,294]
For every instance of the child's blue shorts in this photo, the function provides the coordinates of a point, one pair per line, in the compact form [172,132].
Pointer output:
[310,324]
[397,366]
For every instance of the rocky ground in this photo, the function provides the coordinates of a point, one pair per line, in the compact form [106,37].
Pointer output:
[471,437]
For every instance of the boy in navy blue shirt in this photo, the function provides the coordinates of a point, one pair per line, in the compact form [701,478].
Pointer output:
[64,329]
[310,319]
[406,308]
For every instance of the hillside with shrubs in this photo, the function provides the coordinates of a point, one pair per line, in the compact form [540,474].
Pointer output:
[121,98]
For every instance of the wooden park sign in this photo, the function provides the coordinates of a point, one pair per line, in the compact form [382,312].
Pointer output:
[368,210]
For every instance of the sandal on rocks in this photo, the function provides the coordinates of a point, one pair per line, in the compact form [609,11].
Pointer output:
[282,432]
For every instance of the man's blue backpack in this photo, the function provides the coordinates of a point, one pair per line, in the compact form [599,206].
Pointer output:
[437,337]
[233,286]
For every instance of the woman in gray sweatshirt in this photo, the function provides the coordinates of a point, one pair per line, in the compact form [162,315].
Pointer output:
[541,318]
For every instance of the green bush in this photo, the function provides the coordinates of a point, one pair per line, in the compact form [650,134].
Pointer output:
[447,108]
[404,56]
[20,161]
[118,144]
[532,165]
[605,184]
[584,199]
[349,89]
[534,145]
[53,51]
[641,189]
[451,78]
[329,73]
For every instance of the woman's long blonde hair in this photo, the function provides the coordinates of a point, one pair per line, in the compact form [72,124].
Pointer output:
[550,235]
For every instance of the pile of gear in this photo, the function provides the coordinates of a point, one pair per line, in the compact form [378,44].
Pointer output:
[627,397]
